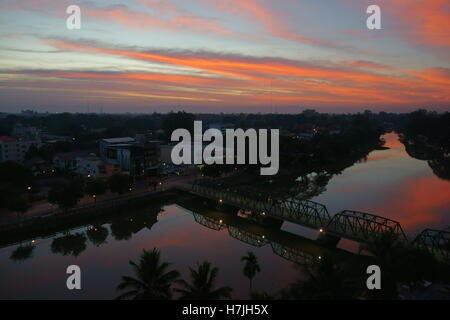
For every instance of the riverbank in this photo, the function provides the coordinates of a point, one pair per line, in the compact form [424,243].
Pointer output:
[48,225]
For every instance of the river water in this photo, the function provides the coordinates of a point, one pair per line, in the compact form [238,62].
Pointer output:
[388,183]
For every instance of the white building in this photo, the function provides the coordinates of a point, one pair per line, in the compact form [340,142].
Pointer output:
[12,149]
[105,143]
[95,167]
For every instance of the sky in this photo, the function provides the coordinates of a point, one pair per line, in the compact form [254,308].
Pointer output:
[224,56]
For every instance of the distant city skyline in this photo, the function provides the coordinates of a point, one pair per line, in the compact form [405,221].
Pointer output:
[228,56]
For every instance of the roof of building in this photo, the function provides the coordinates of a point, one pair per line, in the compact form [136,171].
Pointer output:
[66,156]
[7,139]
[119,140]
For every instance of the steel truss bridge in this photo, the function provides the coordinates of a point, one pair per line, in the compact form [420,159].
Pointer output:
[438,241]
[302,253]
[353,225]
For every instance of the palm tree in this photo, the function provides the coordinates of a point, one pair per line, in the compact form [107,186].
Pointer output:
[395,259]
[386,250]
[325,280]
[202,286]
[153,281]
[251,267]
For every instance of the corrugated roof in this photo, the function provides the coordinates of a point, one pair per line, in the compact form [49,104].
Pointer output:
[119,140]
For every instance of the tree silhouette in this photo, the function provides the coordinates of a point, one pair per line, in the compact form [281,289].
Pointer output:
[120,183]
[152,279]
[97,235]
[71,244]
[19,205]
[95,188]
[395,259]
[251,267]
[66,195]
[22,252]
[203,284]
[325,280]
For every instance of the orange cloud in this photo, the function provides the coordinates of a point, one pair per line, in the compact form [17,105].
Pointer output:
[424,22]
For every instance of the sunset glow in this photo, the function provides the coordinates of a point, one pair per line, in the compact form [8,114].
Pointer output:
[225,56]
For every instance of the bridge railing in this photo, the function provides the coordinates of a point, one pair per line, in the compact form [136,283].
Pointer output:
[436,241]
[363,226]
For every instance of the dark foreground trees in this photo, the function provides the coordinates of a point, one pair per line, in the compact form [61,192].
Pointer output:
[66,195]
[202,285]
[251,267]
[120,183]
[152,281]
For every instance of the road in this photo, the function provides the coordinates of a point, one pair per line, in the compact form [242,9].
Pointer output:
[43,207]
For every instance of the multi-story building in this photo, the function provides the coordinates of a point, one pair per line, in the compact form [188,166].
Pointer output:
[96,167]
[138,160]
[105,143]
[24,132]
[12,149]
[67,161]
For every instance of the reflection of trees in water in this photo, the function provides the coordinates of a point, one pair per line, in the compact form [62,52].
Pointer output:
[97,235]
[71,244]
[152,278]
[311,185]
[435,154]
[124,227]
[22,252]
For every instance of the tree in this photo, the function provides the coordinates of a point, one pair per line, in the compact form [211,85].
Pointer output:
[178,120]
[66,195]
[22,252]
[203,284]
[14,181]
[97,234]
[396,258]
[71,244]
[251,267]
[19,205]
[152,280]
[95,188]
[325,280]
[385,250]
[120,183]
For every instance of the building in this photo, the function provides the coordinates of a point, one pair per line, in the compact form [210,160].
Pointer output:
[96,167]
[105,143]
[12,149]
[26,133]
[137,160]
[67,161]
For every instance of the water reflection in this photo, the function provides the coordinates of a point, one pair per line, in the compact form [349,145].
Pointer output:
[388,183]
[97,235]
[71,244]
[392,184]
[23,252]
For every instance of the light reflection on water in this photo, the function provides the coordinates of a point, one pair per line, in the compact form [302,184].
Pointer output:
[389,183]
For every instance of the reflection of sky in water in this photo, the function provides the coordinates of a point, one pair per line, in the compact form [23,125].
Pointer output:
[389,183]
[182,241]
[392,184]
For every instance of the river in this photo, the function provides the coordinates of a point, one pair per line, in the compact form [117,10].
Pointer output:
[388,183]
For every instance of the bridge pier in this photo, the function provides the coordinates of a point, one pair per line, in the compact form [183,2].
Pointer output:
[328,239]
[267,221]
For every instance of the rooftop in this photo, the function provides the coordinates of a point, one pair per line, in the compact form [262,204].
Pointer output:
[119,140]
[7,139]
